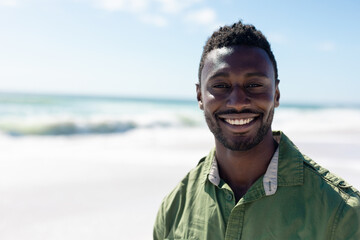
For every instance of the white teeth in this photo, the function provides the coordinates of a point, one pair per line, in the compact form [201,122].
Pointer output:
[239,121]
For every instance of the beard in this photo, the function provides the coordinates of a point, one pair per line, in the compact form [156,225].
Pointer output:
[239,143]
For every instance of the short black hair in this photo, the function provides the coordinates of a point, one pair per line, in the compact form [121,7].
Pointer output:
[237,34]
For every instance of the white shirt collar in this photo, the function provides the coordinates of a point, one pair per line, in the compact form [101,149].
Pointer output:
[270,177]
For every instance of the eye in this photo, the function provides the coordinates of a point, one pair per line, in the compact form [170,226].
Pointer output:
[254,85]
[221,85]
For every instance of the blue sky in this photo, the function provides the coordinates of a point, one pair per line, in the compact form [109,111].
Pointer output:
[151,48]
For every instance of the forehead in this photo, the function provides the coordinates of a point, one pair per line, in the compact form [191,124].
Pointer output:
[238,60]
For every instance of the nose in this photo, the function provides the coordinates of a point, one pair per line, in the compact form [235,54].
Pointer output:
[238,98]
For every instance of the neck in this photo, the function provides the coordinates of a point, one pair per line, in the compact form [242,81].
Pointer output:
[240,169]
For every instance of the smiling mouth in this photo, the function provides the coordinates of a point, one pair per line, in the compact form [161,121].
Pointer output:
[238,122]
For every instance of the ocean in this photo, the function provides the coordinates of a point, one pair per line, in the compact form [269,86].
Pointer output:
[94,167]
[24,115]
[51,115]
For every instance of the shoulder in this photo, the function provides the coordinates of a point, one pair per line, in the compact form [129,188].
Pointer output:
[342,189]
[327,195]
[177,201]
[293,164]
[338,197]
[189,184]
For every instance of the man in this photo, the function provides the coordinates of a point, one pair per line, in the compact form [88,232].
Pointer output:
[255,184]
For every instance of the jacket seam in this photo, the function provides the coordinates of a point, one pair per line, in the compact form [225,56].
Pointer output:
[337,218]
[326,179]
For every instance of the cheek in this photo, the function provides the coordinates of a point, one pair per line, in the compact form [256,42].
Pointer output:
[265,101]
[215,96]
[211,102]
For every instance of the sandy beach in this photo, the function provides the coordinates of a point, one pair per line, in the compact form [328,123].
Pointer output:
[90,187]
[110,186]
[99,113]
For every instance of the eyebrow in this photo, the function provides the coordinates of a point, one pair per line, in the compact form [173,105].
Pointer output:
[248,75]
[219,74]
[256,74]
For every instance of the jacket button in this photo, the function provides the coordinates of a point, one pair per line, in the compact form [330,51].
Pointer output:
[343,184]
[228,197]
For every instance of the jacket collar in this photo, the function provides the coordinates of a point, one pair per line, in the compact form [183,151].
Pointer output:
[291,162]
[287,165]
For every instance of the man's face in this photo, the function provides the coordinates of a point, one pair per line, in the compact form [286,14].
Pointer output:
[238,94]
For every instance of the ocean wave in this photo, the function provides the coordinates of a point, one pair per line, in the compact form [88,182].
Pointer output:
[23,115]
[67,128]
[53,126]
[318,120]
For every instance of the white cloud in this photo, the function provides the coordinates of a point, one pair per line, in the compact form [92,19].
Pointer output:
[158,12]
[124,5]
[154,12]
[175,6]
[9,3]
[327,46]
[203,17]
[156,20]
[111,5]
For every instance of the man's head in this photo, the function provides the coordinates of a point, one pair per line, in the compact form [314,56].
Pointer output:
[238,87]
[235,35]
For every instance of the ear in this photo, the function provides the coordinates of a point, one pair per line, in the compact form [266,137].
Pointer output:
[277,93]
[198,96]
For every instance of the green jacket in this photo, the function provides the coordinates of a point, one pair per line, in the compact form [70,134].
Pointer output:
[308,203]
